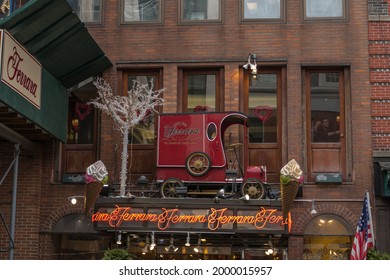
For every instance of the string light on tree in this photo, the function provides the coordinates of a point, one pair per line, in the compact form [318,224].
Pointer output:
[127,112]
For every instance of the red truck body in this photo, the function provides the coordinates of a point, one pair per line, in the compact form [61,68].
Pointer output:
[191,151]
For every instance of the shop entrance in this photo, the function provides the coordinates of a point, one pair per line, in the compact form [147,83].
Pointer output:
[202,246]
[327,237]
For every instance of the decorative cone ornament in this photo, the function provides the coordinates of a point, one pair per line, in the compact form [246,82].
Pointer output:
[92,191]
[288,192]
[290,179]
[95,177]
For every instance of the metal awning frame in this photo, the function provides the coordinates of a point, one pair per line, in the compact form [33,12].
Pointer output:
[11,232]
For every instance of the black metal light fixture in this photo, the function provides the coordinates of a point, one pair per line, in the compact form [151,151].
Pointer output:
[142,181]
[313,208]
[220,195]
[252,65]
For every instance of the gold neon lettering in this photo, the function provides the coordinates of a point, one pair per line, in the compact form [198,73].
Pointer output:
[215,220]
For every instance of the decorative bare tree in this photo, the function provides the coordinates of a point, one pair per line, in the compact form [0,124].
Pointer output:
[127,112]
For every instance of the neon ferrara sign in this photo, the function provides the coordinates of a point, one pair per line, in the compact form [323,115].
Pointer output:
[214,219]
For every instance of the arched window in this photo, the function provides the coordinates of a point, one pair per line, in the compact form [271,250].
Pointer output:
[327,237]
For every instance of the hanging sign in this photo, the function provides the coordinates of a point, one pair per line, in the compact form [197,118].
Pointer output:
[20,70]
[208,219]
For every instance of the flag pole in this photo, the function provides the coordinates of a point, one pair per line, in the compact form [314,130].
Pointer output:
[370,217]
[364,237]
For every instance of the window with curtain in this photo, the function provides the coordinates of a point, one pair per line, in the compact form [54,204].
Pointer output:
[141,11]
[89,11]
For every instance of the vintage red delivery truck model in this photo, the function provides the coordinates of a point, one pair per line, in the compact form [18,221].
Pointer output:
[192,156]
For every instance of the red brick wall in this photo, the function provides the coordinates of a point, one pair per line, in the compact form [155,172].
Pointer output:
[170,46]
[296,42]
[379,50]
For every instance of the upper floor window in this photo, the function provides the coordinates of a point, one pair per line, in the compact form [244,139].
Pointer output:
[141,11]
[89,11]
[263,108]
[327,123]
[200,11]
[333,9]
[201,90]
[262,9]
[143,133]
[325,107]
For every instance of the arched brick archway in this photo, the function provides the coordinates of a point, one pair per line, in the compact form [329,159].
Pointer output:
[301,218]
[60,213]
[48,248]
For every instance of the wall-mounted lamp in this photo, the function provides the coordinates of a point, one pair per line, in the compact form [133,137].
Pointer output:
[119,238]
[245,197]
[73,199]
[188,244]
[272,250]
[142,181]
[145,249]
[313,208]
[171,246]
[153,244]
[252,65]
[220,195]
[198,249]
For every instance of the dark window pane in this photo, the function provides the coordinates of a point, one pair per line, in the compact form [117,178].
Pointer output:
[201,92]
[263,109]
[325,107]
[143,133]
[211,131]
[201,9]
[80,122]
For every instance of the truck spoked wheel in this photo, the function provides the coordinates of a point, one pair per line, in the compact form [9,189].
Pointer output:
[169,187]
[254,188]
[198,164]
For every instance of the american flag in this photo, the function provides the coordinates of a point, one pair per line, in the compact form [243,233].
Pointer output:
[364,237]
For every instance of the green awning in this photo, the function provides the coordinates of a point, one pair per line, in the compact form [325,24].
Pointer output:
[53,33]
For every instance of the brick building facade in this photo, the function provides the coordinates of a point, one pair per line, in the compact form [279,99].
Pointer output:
[379,80]
[311,64]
